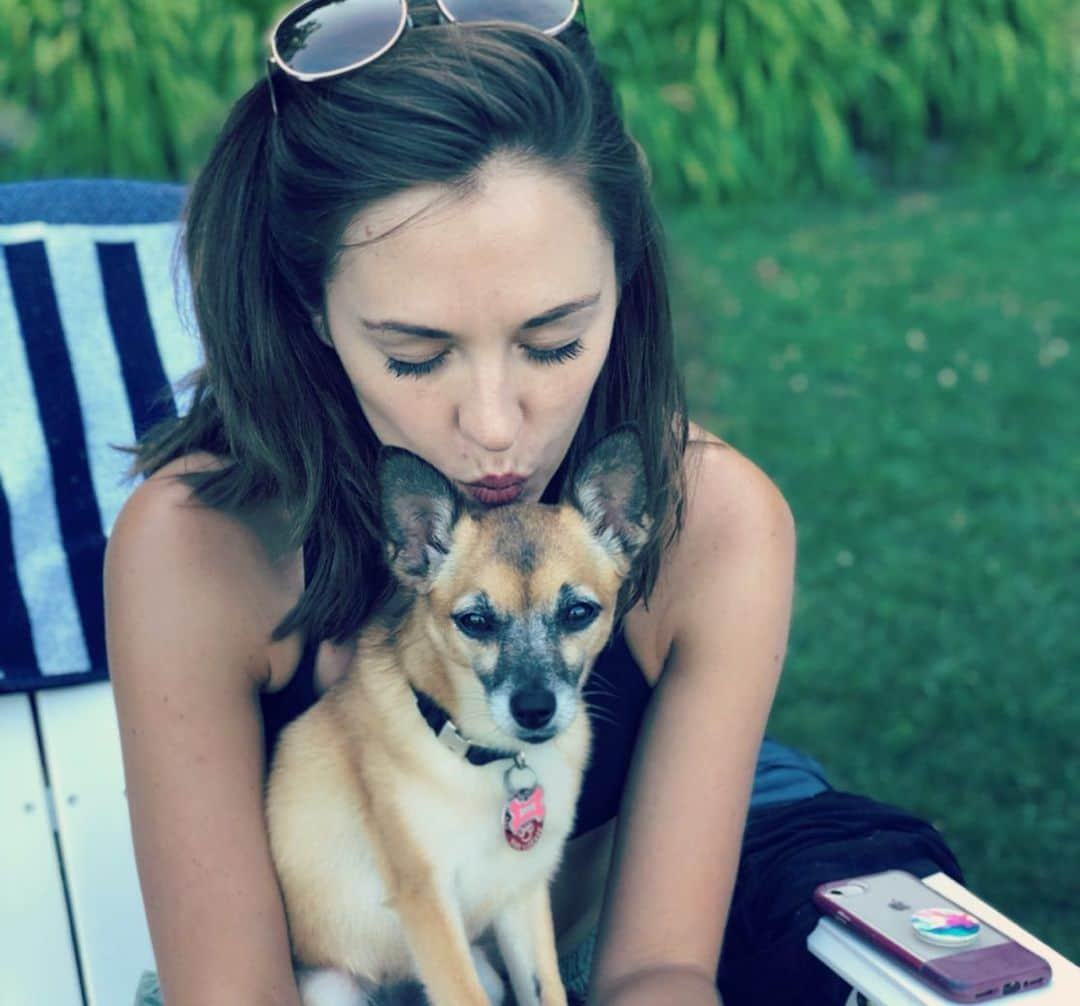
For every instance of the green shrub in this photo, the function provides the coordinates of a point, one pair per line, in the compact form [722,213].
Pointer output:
[731,99]
[736,98]
[131,88]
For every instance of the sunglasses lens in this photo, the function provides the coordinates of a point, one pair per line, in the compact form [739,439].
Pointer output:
[329,35]
[545,15]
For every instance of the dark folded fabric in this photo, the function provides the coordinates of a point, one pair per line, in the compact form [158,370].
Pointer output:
[787,851]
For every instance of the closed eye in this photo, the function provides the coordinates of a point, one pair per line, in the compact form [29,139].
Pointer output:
[401,368]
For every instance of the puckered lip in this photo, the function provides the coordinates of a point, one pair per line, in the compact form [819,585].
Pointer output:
[498,481]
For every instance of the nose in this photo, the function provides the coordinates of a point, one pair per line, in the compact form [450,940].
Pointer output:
[490,414]
[532,707]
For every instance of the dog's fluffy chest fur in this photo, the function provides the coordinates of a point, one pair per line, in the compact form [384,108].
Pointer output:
[349,821]
[460,817]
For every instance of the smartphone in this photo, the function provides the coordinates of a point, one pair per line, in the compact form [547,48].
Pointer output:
[953,951]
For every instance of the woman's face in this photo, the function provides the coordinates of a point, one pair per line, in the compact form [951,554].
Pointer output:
[474,335]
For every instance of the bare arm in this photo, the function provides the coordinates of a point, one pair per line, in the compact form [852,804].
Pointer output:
[187,651]
[675,986]
[728,604]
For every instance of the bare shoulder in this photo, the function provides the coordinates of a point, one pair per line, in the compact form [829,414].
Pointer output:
[732,509]
[726,495]
[181,558]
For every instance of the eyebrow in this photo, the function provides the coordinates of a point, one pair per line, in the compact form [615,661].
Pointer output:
[425,332]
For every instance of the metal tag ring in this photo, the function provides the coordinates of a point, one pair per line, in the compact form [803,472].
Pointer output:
[520,766]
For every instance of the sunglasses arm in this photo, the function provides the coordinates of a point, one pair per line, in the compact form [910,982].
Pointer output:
[270,83]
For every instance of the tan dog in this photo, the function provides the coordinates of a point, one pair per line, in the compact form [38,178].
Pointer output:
[398,847]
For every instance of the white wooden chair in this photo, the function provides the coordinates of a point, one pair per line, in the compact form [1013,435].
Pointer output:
[72,928]
[72,379]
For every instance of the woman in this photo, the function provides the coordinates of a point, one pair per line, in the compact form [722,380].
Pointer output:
[452,249]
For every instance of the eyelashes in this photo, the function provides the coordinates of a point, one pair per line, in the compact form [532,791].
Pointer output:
[547,357]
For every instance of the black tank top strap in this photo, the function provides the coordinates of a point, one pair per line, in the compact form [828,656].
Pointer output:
[616,694]
[281,707]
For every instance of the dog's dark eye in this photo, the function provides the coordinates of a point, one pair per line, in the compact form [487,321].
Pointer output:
[474,624]
[579,614]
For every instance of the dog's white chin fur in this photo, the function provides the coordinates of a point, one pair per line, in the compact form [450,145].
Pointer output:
[330,987]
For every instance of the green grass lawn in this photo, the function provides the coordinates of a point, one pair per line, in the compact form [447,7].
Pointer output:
[906,371]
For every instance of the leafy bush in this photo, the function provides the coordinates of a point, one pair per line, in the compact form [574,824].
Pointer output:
[132,88]
[730,98]
[737,98]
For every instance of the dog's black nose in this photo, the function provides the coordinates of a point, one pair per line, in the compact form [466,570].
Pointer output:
[532,707]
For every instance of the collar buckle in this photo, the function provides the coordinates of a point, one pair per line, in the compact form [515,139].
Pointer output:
[450,738]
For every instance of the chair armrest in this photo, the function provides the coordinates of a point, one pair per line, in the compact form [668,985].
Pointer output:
[37,957]
[82,752]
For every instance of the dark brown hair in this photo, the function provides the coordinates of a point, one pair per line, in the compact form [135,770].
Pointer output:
[263,225]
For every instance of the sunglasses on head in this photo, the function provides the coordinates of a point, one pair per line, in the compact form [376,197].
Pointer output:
[325,38]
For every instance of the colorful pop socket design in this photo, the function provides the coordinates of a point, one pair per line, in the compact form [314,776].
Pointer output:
[947,927]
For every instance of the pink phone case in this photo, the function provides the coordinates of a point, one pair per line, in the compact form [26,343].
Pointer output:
[879,907]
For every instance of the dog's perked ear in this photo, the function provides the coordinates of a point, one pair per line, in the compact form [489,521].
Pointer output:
[419,510]
[609,489]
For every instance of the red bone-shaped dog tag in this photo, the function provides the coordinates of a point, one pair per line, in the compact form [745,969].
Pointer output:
[523,818]
[523,815]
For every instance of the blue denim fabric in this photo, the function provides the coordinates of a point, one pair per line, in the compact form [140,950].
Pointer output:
[149,991]
[784,774]
[575,968]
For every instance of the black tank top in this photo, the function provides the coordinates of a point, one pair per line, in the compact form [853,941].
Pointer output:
[616,695]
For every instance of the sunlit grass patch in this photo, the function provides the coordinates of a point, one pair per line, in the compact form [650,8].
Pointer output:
[906,371]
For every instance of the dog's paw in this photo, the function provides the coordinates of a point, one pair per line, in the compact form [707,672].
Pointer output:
[493,984]
[330,987]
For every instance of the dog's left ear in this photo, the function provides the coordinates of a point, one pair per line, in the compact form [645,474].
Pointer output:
[609,489]
[419,510]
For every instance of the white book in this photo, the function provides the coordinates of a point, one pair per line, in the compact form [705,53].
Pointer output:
[886,983]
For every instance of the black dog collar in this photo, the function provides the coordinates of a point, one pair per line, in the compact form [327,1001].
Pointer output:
[439,721]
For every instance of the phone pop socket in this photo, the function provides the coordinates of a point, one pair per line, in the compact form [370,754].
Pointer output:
[947,927]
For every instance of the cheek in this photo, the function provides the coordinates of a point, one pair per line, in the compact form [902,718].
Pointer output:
[393,406]
[566,388]
[562,397]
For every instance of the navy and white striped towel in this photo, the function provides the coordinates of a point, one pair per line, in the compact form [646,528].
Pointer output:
[91,334]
